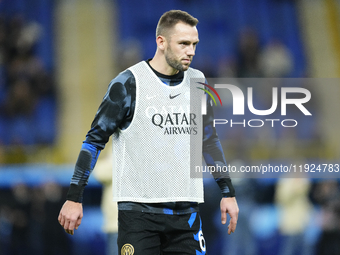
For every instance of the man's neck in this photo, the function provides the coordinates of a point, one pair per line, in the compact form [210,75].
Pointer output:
[177,76]
[161,66]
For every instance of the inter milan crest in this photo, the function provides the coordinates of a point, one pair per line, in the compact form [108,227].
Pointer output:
[127,249]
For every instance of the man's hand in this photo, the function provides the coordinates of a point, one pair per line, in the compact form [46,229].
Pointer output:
[229,205]
[70,216]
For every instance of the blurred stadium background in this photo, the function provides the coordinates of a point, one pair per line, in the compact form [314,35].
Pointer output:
[56,61]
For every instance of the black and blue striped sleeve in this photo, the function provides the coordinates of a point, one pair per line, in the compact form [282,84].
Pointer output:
[114,113]
[213,152]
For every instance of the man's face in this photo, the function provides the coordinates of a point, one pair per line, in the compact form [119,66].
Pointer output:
[181,46]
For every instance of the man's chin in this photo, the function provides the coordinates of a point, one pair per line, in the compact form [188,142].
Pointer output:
[185,67]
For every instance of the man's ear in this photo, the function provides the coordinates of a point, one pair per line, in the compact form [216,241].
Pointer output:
[161,42]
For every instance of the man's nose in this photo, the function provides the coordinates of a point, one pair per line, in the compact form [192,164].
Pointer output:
[191,50]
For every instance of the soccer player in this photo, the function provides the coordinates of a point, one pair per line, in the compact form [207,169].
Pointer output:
[148,109]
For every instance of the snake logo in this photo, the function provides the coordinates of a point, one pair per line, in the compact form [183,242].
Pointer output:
[127,249]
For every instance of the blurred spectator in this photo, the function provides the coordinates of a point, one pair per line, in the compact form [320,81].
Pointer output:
[130,53]
[226,68]
[5,227]
[294,211]
[36,221]
[20,99]
[276,60]
[19,218]
[2,55]
[27,221]
[26,88]
[248,54]
[103,173]
[54,238]
[327,194]
[243,241]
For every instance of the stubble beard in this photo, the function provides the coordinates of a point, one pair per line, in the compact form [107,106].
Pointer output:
[171,60]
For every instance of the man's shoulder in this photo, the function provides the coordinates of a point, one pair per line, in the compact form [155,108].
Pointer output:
[196,71]
[125,78]
[122,77]
[140,66]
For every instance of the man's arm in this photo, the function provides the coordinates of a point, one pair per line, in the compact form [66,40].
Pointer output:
[115,111]
[214,156]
